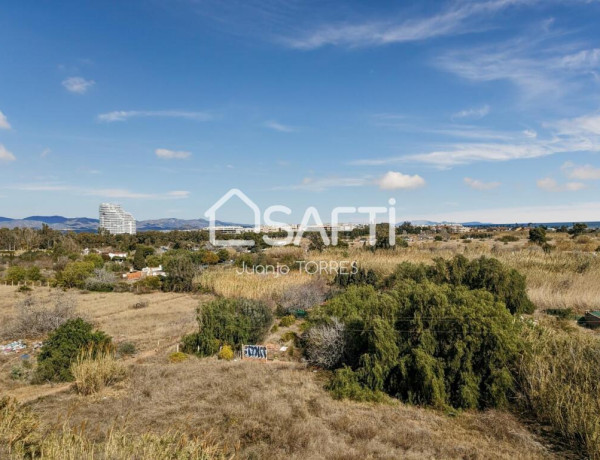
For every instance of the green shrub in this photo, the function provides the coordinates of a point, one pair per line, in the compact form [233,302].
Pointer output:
[508,239]
[126,349]
[288,337]
[355,276]
[148,284]
[34,273]
[231,321]
[75,274]
[287,321]
[226,353]
[563,313]
[15,274]
[139,305]
[433,336]
[507,285]
[25,289]
[177,357]
[345,385]
[63,346]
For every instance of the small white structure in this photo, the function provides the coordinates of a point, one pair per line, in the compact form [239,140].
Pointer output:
[153,271]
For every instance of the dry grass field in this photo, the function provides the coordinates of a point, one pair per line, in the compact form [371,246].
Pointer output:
[279,409]
[564,278]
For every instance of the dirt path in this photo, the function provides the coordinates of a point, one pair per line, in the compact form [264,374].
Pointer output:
[31,393]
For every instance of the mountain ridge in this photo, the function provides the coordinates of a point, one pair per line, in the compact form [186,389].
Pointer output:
[87,224]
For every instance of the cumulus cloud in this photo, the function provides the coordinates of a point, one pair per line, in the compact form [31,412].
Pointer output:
[480,185]
[585,172]
[78,85]
[393,180]
[167,154]
[475,112]
[5,155]
[550,185]
[124,115]
[4,124]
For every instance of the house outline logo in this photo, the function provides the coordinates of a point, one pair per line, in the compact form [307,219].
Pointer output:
[211,212]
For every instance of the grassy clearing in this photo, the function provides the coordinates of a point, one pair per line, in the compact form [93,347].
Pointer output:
[281,411]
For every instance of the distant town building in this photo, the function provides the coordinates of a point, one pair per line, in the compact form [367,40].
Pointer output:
[115,220]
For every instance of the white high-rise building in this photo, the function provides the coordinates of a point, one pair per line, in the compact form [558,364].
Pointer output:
[115,220]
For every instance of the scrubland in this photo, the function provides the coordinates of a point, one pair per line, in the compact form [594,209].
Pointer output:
[209,408]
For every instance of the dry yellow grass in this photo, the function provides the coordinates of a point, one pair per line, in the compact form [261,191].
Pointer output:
[161,324]
[228,283]
[95,369]
[281,411]
[560,279]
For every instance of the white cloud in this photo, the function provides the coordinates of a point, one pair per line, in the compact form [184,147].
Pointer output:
[533,63]
[393,180]
[531,134]
[453,21]
[570,212]
[179,194]
[550,185]
[580,134]
[78,85]
[40,187]
[45,152]
[4,124]
[167,154]
[99,192]
[5,155]
[585,172]
[585,125]
[322,184]
[124,115]
[475,112]
[278,127]
[480,185]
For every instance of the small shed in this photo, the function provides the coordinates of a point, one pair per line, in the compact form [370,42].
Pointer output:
[592,319]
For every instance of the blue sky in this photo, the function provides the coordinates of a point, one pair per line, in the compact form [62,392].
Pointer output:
[461,110]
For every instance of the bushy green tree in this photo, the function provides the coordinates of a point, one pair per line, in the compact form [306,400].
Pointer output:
[507,285]
[74,274]
[181,271]
[537,235]
[96,259]
[578,229]
[424,343]
[16,274]
[440,335]
[228,321]
[62,348]
[34,273]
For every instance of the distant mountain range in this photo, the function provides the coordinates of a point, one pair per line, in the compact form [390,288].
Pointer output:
[85,224]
